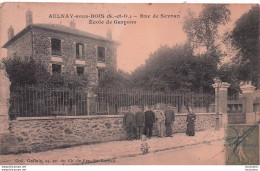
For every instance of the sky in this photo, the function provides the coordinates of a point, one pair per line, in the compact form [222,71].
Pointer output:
[137,40]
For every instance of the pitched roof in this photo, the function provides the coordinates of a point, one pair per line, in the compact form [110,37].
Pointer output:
[57,28]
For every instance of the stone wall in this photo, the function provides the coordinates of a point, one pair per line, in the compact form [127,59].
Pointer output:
[21,47]
[37,43]
[42,50]
[45,133]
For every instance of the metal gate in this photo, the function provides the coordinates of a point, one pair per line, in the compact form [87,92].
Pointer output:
[236,114]
[236,118]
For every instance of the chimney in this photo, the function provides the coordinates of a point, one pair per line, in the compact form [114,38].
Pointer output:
[109,34]
[10,33]
[29,18]
[72,24]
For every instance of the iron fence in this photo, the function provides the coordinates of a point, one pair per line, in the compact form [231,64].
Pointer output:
[112,100]
[47,101]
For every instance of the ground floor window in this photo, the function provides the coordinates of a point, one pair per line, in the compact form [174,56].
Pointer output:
[56,68]
[80,70]
[101,73]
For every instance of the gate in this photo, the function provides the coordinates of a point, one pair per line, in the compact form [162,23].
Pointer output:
[236,112]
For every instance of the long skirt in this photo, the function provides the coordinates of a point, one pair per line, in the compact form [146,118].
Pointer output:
[190,131]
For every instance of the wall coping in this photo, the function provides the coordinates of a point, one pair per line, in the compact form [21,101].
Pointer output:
[90,117]
[181,114]
[67,117]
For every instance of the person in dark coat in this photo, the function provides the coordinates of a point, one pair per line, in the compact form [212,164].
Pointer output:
[139,123]
[129,122]
[149,118]
[191,117]
[169,119]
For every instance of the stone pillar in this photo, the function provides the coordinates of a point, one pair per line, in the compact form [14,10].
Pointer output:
[91,103]
[248,92]
[221,102]
[4,100]
[257,107]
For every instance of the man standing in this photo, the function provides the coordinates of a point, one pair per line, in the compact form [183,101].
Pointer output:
[169,119]
[139,122]
[160,121]
[128,121]
[149,121]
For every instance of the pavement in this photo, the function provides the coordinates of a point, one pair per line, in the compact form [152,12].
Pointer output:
[110,151]
[203,154]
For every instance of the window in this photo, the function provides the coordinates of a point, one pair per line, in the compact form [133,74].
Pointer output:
[79,51]
[101,54]
[56,47]
[80,70]
[56,68]
[101,73]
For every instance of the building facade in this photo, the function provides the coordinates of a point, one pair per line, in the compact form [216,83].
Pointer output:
[64,49]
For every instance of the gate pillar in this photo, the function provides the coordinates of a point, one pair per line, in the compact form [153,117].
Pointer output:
[4,108]
[91,103]
[248,91]
[221,102]
[4,100]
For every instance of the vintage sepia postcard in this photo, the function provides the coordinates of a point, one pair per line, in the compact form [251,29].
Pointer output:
[129,84]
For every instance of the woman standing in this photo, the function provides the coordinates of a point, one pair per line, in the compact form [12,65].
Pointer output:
[191,117]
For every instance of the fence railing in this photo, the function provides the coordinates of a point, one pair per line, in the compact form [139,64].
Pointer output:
[35,101]
[114,100]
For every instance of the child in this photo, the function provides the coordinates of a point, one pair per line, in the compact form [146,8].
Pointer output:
[144,145]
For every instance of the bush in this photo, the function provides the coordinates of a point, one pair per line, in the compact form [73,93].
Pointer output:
[25,71]
[28,71]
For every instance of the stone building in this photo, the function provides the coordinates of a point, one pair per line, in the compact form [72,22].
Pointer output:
[64,49]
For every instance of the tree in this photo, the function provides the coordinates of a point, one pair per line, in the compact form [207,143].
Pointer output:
[202,31]
[245,38]
[229,72]
[176,68]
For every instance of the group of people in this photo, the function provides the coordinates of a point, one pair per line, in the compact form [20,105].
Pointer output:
[142,123]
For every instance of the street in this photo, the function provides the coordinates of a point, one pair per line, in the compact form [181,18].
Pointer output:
[203,154]
[187,151]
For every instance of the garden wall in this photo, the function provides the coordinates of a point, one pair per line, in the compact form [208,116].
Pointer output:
[46,133]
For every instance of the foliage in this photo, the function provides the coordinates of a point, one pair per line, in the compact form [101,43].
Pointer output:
[229,72]
[25,71]
[114,79]
[28,71]
[176,68]
[244,37]
[202,31]
[69,80]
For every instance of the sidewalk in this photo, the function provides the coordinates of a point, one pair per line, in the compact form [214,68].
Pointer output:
[109,151]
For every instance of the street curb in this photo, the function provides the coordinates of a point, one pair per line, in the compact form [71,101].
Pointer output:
[113,159]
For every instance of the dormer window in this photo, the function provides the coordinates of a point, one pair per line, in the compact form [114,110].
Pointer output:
[80,51]
[101,54]
[56,47]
